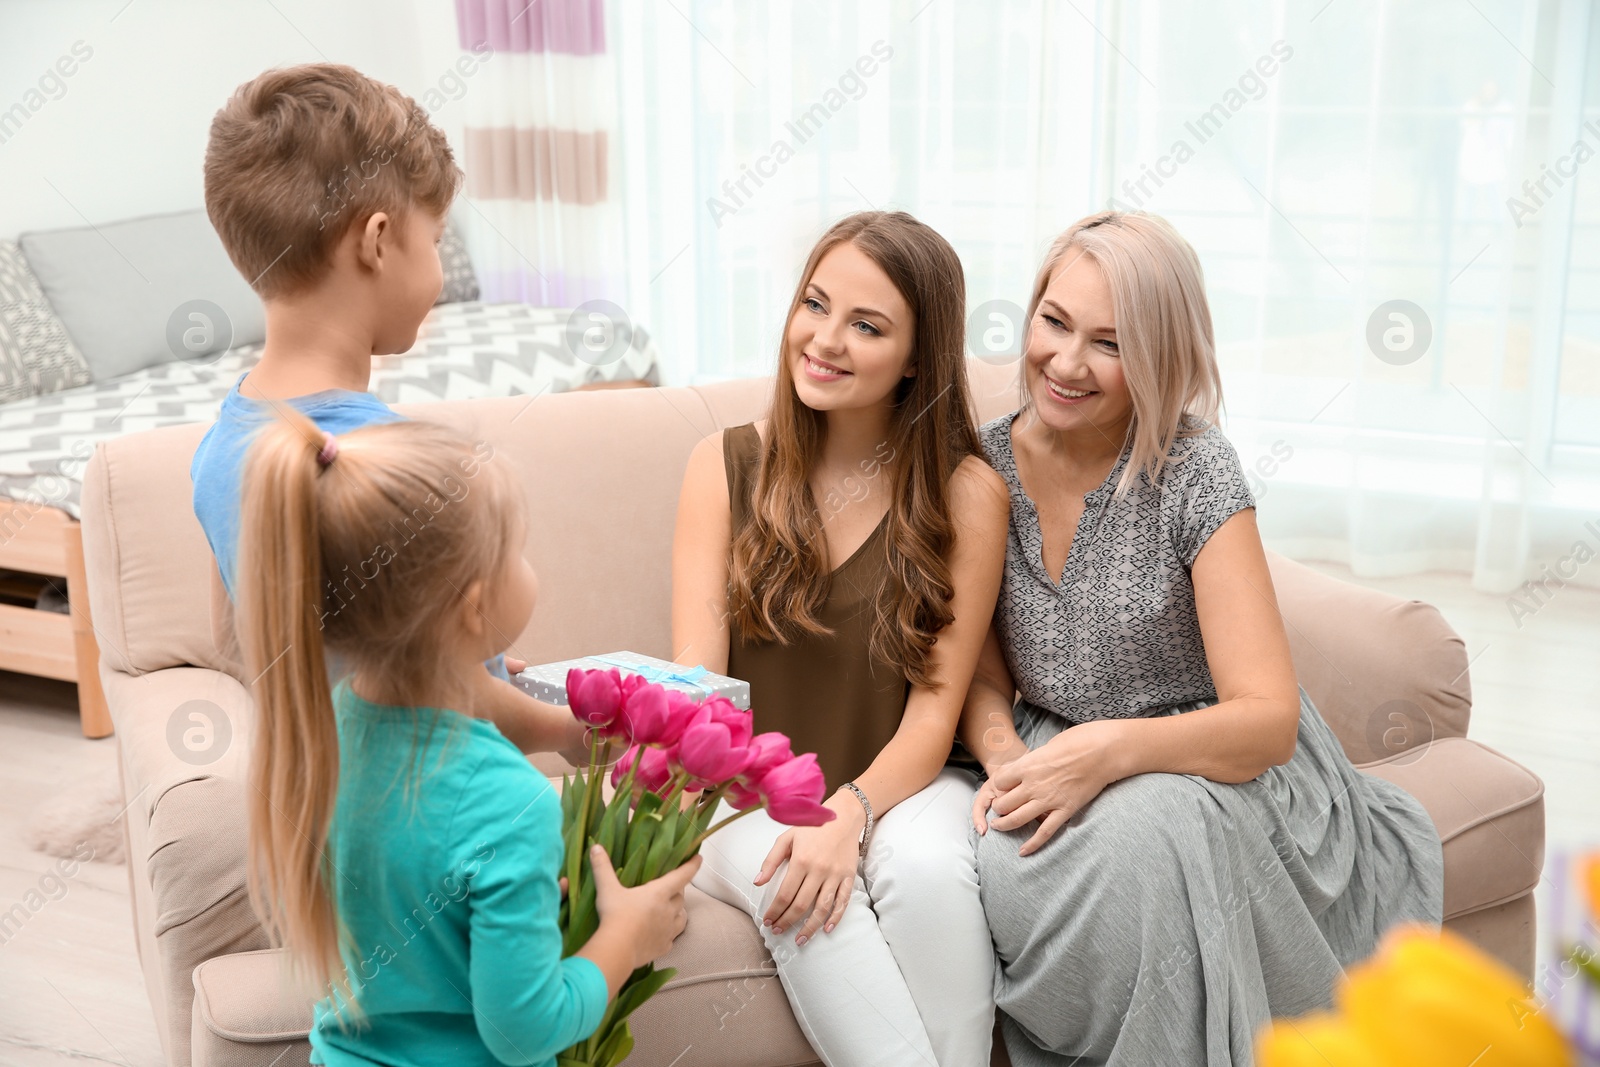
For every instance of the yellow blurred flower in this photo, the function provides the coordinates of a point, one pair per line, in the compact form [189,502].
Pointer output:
[1424,999]
[1589,878]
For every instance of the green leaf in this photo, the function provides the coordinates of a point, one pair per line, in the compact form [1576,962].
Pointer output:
[616,1047]
[661,846]
[584,919]
[569,800]
[634,993]
[613,828]
[642,836]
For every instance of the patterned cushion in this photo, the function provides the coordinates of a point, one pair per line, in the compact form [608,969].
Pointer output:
[36,355]
[460,280]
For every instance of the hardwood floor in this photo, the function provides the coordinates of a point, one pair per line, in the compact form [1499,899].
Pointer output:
[71,991]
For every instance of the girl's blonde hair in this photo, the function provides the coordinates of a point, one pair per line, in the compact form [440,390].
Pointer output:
[1164,338]
[358,557]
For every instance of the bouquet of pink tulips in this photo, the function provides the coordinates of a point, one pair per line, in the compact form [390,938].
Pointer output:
[682,757]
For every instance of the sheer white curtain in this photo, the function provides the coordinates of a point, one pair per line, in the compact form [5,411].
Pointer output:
[1408,332]
[747,128]
[542,215]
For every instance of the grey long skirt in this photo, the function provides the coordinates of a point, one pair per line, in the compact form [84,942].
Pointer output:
[1173,916]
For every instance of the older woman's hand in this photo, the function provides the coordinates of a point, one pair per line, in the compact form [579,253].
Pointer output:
[1052,783]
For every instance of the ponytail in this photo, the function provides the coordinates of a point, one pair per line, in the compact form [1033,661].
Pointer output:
[294,761]
[352,553]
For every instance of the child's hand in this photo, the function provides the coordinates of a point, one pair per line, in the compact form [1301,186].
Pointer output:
[654,911]
[515,666]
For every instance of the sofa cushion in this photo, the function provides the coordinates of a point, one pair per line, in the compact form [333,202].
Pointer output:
[1388,675]
[460,280]
[1489,811]
[247,1012]
[725,1007]
[36,353]
[149,596]
[145,291]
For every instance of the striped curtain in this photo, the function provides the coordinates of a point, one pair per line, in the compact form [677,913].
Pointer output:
[540,142]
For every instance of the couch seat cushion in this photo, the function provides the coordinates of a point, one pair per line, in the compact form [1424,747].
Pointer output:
[1489,811]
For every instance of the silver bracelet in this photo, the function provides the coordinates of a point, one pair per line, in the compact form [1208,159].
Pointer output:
[866,833]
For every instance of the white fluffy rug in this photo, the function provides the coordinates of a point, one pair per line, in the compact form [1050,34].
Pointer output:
[88,812]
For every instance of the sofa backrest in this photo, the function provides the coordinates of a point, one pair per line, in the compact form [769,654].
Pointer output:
[602,470]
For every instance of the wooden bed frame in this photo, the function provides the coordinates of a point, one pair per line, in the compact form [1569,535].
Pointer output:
[44,540]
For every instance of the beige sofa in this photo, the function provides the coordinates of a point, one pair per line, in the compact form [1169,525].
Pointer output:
[603,471]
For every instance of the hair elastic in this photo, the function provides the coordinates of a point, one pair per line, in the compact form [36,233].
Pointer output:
[330,448]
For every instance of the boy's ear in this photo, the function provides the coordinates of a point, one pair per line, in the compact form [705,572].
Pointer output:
[369,250]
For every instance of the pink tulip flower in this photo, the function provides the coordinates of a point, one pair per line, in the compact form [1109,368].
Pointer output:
[728,714]
[707,753]
[794,790]
[654,772]
[595,696]
[682,712]
[771,749]
[740,798]
[648,718]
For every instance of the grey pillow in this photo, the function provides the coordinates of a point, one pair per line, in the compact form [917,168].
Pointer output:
[36,355]
[146,291]
[460,280]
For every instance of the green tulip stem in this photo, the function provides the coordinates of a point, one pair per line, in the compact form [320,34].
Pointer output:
[679,783]
[735,817]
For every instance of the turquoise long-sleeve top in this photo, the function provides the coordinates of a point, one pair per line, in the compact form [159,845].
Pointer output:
[445,851]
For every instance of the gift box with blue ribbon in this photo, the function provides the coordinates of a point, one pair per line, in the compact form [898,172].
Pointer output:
[548,681]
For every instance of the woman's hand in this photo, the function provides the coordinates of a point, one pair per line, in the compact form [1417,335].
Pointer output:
[822,871]
[1052,783]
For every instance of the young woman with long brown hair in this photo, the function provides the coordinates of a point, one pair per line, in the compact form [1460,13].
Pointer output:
[401,848]
[843,556]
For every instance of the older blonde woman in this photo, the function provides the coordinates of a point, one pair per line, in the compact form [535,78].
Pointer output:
[1175,847]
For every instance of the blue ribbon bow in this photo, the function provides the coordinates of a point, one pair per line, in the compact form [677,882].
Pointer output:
[685,675]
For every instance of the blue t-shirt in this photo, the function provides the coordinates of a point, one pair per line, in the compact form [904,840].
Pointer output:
[445,852]
[218,467]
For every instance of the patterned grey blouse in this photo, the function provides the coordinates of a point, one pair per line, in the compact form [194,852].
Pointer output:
[1118,638]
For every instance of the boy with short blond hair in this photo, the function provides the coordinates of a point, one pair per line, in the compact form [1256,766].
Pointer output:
[330,192]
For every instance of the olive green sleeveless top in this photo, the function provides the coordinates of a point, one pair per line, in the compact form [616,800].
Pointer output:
[825,691]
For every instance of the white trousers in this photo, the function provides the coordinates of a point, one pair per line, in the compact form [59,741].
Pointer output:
[907,977]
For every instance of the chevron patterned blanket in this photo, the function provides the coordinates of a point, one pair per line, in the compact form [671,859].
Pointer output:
[463,350]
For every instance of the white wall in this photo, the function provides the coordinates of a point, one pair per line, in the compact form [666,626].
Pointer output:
[125,134]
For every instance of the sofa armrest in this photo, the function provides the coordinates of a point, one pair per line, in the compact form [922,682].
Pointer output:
[248,1012]
[1388,675]
[183,735]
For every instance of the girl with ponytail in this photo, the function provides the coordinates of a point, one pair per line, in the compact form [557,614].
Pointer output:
[404,851]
